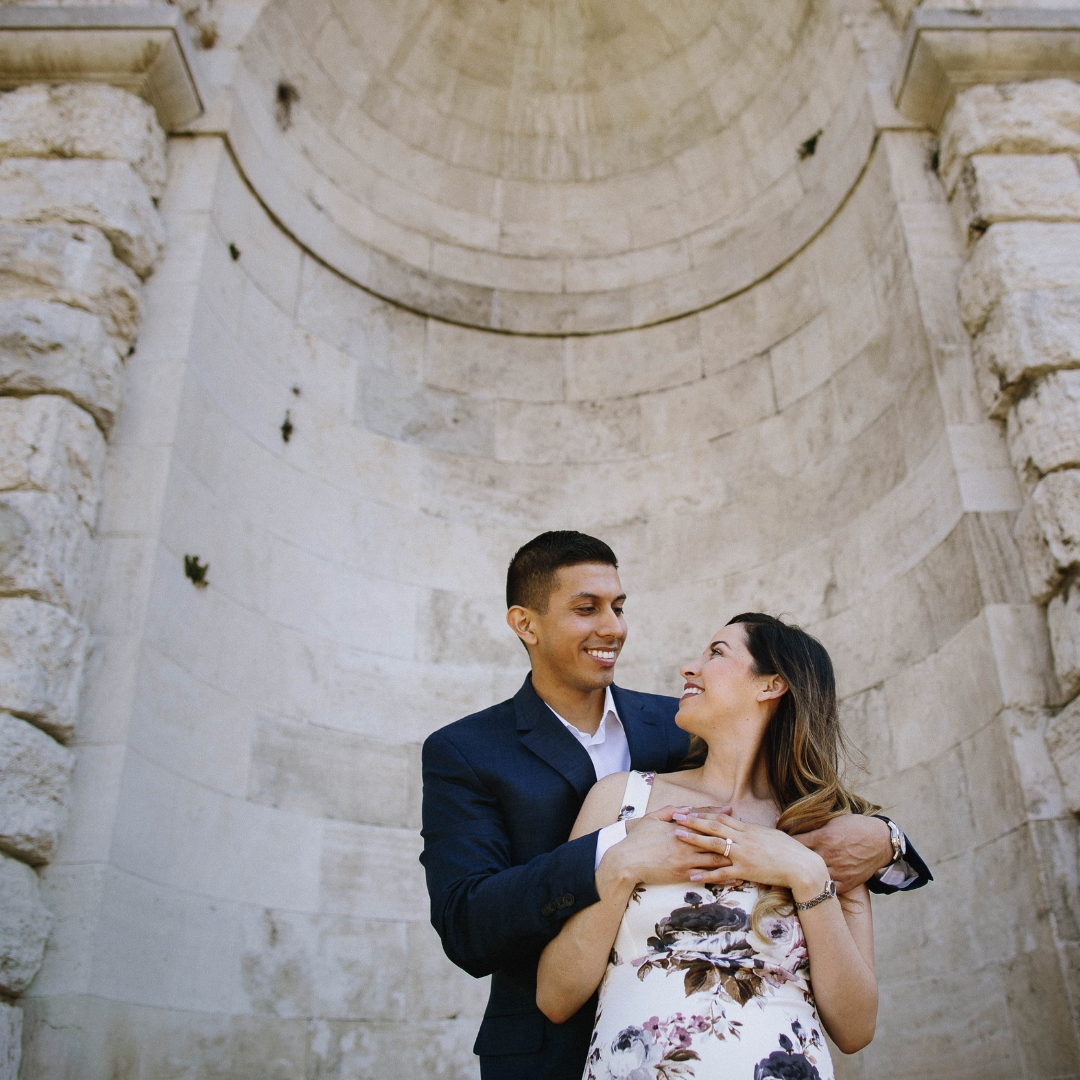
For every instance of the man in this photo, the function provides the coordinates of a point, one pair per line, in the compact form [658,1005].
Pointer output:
[503,787]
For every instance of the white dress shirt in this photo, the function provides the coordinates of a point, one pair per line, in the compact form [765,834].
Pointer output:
[608,748]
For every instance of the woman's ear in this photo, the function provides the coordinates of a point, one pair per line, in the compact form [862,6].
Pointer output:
[774,689]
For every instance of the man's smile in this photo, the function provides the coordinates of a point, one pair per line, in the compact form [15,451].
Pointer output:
[606,656]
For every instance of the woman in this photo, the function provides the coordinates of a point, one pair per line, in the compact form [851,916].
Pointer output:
[710,979]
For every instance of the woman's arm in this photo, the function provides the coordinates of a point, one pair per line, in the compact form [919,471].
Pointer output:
[840,942]
[573,963]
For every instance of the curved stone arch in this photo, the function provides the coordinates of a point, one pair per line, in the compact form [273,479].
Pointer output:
[682,229]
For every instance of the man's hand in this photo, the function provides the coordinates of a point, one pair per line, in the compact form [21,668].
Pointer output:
[653,855]
[854,847]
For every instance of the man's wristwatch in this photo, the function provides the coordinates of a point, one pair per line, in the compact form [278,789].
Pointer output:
[899,843]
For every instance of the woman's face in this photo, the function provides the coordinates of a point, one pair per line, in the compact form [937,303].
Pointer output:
[721,683]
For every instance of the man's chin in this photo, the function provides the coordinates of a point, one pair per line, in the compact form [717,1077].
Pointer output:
[598,680]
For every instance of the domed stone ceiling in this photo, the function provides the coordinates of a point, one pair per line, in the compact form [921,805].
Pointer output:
[551,166]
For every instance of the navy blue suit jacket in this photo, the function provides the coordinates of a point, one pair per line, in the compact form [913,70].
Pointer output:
[502,789]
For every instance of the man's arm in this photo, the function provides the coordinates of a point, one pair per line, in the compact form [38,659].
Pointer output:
[856,847]
[486,911]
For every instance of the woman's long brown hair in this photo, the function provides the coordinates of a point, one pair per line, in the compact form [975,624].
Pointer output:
[804,746]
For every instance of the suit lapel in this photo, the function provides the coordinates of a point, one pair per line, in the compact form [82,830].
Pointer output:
[644,732]
[540,730]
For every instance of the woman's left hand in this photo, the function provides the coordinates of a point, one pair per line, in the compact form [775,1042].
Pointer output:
[767,856]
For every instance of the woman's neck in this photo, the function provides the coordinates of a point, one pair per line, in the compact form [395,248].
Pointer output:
[734,770]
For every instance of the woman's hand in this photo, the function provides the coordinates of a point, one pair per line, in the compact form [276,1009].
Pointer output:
[756,853]
[653,853]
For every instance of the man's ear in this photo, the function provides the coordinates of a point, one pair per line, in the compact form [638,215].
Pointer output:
[520,620]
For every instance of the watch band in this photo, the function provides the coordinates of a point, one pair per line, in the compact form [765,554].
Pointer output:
[896,838]
[828,894]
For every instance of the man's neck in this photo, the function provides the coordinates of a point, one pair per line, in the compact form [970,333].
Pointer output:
[582,708]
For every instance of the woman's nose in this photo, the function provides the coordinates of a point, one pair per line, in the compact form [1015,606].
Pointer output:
[689,671]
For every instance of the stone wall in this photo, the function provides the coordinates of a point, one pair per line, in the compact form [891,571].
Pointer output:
[80,167]
[251,836]
[237,892]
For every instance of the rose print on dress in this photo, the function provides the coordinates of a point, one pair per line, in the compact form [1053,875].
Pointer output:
[694,993]
[710,943]
[787,1063]
[657,1049]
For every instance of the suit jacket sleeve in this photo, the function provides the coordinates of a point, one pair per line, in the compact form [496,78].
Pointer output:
[918,868]
[486,910]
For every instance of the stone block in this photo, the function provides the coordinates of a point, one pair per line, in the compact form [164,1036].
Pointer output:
[1017,256]
[11,1022]
[998,563]
[46,551]
[1041,572]
[84,120]
[1063,741]
[570,432]
[1022,655]
[802,361]
[640,362]
[298,964]
[47,444]
[24,926]
[1054,516]
[1063,621]
[465,361]
[312,770]
[1028,334]
[354,1050]
[35,771]
[50,348]
[105,194]
[75,265]
[396,406]
[42,649]
[1021,187]
[1040,786]
[1009,118]
[1044,427]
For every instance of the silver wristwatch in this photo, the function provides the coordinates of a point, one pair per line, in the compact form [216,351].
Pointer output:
[827,894]
[899,844]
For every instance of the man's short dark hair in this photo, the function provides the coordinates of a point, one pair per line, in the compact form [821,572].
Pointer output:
[534,569]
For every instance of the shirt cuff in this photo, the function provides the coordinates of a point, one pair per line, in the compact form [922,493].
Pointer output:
[608,837]
[899,875]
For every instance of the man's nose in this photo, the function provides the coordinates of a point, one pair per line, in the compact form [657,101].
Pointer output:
[611,625]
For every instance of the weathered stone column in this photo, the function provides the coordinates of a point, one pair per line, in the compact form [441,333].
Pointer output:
[80,167]
[1008,160]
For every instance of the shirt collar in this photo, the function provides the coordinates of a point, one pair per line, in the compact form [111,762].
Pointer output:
[610,714]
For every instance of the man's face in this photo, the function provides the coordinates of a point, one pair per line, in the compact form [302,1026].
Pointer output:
[579,638]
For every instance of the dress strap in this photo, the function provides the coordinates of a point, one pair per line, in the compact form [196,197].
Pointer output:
[636,796]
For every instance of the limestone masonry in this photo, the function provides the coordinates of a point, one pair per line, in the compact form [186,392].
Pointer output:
[782,300]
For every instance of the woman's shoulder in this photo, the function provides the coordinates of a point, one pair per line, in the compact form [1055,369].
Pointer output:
[602,804]
[610,787]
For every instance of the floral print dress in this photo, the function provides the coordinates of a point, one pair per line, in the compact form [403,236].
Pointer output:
[692,993]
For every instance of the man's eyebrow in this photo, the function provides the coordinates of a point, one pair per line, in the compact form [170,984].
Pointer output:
[595,596]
